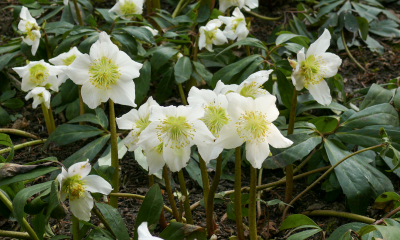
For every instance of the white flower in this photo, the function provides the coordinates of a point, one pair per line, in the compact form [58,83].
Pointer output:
[127,8]
[76,185]
[252,123]
[39,95]
[28,26]
[38,74]
[144,233]
[225,4]
[137,121]
[172,131]
[235,26]
[215,117]
[250,4]
[211,34]
[63,60]
[251,87]
[66,2]
[311,69]
[106,73]
[153,31]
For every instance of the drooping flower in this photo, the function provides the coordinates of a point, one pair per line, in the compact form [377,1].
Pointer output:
[252,123]
[30,28]
[38,74]
[311,69]
[144,233]
[172,131]
[127,8]
[106,73]
[76,185]
[152,30]
[251,87]
[137,121]
[215,117]
[211,34]
[235,25]
[39,95]
[225,4]
[63,60]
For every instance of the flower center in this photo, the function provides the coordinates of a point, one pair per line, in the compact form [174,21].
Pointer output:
[142,123]
[69,60]
[175,131]
[252,126]
[311,70]
[104,72]
[128,8]
[251,90]
[159,148]
[74,187]
[215,118]
[29,28]
[236,23]
[38,73]
[210,35]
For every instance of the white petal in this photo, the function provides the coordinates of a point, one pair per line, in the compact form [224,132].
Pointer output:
[103,47]
[228,137]
[321,92]
[97,184]
[132,139]
[242,31]
[259,77]
[148,138]
[256,153]
[144,110]
[238,105]
[251,3]
[190,113]
[209,47]
[144,233]
[224,4]
[221,88]
[128,68]
[276,139]
[117,9]
[320,45]
[176,159]
[330,64]
[36,42]
[297,80]
[203,96]
[202,38]
[78,71]
[203,136]
[80,168]
[24,14]
[159,113]
[128,120]
[209,152]
[123,93]
[267,105]
[220,38]
[82,206]
[93,96]
[155,161]
[65,2]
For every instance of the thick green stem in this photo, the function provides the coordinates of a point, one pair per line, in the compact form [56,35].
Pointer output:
[184,192]
[46,40]
[12,234]
[52,122]
[171,198]
[347,215]
[349,53]
[49,126]
[210,201]
[24,223]
[238,194]
[23,145]
[114,155]
[151,180]
[18,132]
[253,204]
[178,8]
[81,104]
[75,228]
[182,94]
[103,220]
[204,178]
[289,169]
[263,17]
[326,174]
[78,13]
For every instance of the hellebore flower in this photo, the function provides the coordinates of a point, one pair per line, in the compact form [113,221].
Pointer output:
[252,123]
[63,60]
[127,8]
[39,95]
[225,4]
[76,185]
[137,121]
[172,131]
[235,25]
[215,117]
[250,4]
[106,73]
[28,26]
[38,74]
[144,233]
[251,87]
[311,69]
[211,34]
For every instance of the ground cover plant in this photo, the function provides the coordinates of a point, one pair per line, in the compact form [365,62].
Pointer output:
[200,120]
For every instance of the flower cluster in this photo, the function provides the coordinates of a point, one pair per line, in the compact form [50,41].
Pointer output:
[226,117]
[235,29]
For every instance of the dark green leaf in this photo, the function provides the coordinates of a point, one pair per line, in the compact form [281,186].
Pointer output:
[7,95]
[127,41]
[4,117]
[304,234]
[161,57]
[296,220]
[13,103]
[340,231]
[328,8]
[350,22]
[100,118]
[364,27]
[164,88]
[6,58]
[36,171]
[285,87]
[396,98]
[203,73]
[183,69]
[6,141]
[325,124]
[252,42]
[388,232]
[194,171]
[333,106]
[68,133]
[181,231]
[142,83]
[113,218]
[141,34]
[376,95]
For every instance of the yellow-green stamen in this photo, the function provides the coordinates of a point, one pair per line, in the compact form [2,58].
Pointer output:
[252,126]
[104,72]
[67,61]
[251,89]
[128,8]
[38,73]
[236,22]
[210,35]
[175,131]
[215,118]
[311,70]
[142,123]
[74,187]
